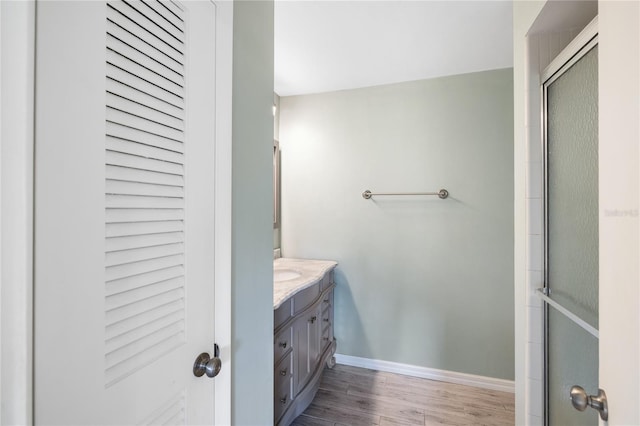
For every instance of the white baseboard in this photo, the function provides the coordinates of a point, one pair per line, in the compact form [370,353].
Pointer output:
[428,373]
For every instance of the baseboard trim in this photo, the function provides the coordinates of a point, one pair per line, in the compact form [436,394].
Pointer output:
[428,373]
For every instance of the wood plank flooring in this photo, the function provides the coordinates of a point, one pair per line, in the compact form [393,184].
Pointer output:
[350,396]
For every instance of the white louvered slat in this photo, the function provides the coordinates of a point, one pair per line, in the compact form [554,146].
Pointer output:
[143,98]
[129,201]
[145,356]
[160,36]
[137,175]
[124,146]
[175,8]
[126,243]
[125,23]
[119,46]
[150,327]
[133,188]
[118,131]
[171,412]
[131,107]
[128,37]
[144,188]
[143,215]
[135,122]
[133,309]
[134,348]
[127,361]
[141,163]
[136,36]
[143,293]
[143,228]
[135,255]
[132,80]
[176,420]
[130,283]
[159,18]
[166,14]
[142,267]
[137,321]
[143,73]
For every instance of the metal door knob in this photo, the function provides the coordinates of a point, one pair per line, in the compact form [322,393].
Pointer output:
[204,364]
[580,401]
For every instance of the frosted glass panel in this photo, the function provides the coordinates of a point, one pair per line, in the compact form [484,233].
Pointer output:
[572,197]
[573,360]
[572,237]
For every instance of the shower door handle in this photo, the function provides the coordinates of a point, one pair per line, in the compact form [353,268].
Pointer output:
[580,401]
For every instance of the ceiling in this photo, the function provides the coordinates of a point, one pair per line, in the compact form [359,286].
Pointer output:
[322,46]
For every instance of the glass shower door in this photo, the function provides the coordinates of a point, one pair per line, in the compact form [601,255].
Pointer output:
[571,240]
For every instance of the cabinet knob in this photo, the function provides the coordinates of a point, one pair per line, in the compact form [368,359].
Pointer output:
[283,372]
[283,345]
[283,400]
[326,320]
[313,319]
[326,300]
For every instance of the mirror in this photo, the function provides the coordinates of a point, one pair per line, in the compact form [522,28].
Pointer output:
[276,184]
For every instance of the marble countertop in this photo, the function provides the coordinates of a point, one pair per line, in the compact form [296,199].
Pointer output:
[311,271]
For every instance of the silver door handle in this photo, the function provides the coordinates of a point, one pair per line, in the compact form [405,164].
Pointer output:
[204,364]
[580,401]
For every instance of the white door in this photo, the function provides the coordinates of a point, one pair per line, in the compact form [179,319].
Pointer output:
[125,267]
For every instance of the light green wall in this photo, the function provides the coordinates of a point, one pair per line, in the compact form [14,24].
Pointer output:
[252,287]
[421,281]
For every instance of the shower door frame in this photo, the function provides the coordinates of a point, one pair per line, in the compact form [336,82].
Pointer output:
[576,50]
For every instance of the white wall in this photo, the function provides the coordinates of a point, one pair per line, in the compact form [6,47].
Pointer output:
[420,281]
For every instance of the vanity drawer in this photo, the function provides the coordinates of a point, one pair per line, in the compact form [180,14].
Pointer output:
[305,298]
[282,343]
[282,314]
[283,380]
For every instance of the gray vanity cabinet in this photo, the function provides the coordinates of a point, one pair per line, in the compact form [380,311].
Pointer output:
[303,344]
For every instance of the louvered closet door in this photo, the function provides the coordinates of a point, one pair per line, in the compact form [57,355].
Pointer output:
[124,232]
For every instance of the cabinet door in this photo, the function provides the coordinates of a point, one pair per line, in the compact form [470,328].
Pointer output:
[301,350]
[315,331]
[307,346]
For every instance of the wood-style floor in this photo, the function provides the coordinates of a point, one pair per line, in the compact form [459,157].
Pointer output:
[350,396]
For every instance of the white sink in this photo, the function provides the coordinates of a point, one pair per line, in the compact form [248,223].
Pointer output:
[285,274]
